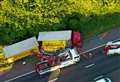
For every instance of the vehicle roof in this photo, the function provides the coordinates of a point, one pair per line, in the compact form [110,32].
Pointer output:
[101,80]
[55,35]
[113,43]
[20,47]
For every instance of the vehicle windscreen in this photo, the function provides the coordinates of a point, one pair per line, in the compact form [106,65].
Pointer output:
[67,56]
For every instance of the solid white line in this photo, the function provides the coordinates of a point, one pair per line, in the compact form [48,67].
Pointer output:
[34,70]
[97,47]
[93,49]
[90,65]
[53,80]
[20,76]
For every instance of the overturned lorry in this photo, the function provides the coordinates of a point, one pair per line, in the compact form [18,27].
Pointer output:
[64,44]
[53,41]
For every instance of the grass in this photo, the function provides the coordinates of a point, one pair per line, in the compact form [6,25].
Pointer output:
[1,52]
[99,24]
[90,26]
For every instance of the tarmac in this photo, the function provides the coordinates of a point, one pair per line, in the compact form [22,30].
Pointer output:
[93,42]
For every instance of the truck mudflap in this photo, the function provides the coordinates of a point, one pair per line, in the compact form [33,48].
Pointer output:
[41,72]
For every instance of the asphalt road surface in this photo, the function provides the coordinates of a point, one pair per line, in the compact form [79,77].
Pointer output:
[84,71]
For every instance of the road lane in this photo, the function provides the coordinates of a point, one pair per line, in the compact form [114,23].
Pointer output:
[78,72]
[114,76]
[86,75]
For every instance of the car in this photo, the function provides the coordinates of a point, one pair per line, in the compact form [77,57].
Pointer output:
[112,47]
[102,79]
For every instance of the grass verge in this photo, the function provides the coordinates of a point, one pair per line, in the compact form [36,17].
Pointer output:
[1,51]
[88,26]
[99,24]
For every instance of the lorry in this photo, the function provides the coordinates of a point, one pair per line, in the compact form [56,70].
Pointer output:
[55,40]
[49,63]
[20,49]
[112,47]
[64,47]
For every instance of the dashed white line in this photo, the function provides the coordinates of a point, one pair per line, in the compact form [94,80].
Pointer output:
[98,77]
[34,70]
[90,65]
[53,80]
[93,49]
[19,76]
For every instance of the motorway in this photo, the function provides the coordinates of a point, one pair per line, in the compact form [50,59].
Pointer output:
[84,71]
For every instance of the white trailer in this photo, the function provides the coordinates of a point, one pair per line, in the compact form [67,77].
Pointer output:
[21,49]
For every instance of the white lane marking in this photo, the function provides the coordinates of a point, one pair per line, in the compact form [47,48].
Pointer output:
[97,47]
[53,80]
[20,76]
[104,35]
[98,77]
[93,49]
[90,65]
[34,70]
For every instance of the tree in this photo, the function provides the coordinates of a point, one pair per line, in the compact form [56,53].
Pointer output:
[20,19]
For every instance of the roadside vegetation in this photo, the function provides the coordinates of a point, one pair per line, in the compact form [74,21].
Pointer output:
[1,55]
[21,19]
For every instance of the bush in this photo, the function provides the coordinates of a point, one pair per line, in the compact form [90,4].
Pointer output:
[20,19]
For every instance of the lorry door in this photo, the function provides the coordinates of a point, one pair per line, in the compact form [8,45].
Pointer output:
[74,54]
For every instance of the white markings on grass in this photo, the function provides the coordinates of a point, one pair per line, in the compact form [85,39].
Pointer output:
[53,80]
[90,65]
[20,76]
